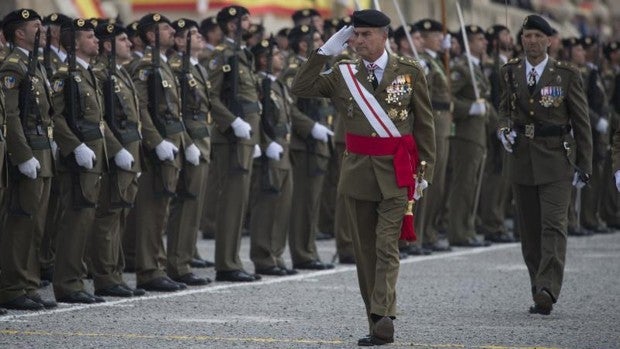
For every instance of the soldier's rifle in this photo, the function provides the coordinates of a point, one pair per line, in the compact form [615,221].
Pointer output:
[267,181]
[47,53]
[109,92]
[154,82]
[72,97]
[26,88]
[185,72]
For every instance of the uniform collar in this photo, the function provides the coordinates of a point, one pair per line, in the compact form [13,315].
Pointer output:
[474,60]
[431,53]
[193,60]
[82,62]
[60,53]
[381,62]
[539,68]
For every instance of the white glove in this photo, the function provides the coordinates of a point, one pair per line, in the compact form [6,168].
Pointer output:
[617,176]
[166,151]
[320,132]
[274,151]
[29,168]
[577,182]
[192,155]
[602,125]
[337,42]
[507,138]
[241,128]
[419,189]
[446,43]
[478,108]
[123,159]
[54,149]
[257,151]
[84,156]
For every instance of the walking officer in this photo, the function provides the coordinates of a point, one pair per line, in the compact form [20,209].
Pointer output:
[542,101]
[382,114]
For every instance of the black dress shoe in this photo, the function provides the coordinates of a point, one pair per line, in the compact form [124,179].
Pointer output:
[192,280]
[323,236]
[80,297]
[290,271]
[414,250]
[439,246]
[314,265]
[198,263]
[114,291]
[579,232]
[472,242]
[135,291]
[371,341]
[499,237]
[160,284]
[235,276]
[274,271]
[543,303]
[346,259]
[44,283]
[22,303]
[3,311]
[35,297]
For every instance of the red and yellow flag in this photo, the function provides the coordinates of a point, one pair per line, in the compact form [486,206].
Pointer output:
[88,8]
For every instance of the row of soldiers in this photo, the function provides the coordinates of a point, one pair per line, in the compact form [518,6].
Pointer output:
[205,135]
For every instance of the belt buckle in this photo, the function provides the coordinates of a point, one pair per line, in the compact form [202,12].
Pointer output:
[529,131]
[50,133]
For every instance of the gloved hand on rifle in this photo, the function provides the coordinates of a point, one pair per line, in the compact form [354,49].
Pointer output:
[241,128]
[274,151]
[166,151]
[123,159]
[507,137]
[29,168]
[257,151]
[419,189]
[192,155]
[337,42]
[617,177]
[446,43]
[478,108]
[320,132]
[580,179]
[84,156]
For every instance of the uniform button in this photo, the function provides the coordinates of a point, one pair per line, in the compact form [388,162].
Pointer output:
[88,93]
[374,134]
[531,100]
[531,112]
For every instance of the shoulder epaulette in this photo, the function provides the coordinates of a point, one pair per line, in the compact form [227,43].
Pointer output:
[220,47]
[409,61]
[12,60]
[175,63]
[566,65]
[514,60]
[347,61]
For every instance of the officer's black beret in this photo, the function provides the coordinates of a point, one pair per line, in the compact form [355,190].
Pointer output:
[182,24]
[493,31]
[283,32]
[428,25]
[208,24]
[370,18]
[78,24]
[263,47]
[229,13]
[539,23]
[105,31]
[571,42]
[305,13]
[331,23]
[300,31]
[150,19]
[399,33]
[12,19]
[588,41]
[611,47]
[472,29]
[56,19]
[344,21]
[132,28]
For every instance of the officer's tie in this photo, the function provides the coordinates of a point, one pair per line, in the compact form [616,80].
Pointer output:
[531,80]
[371,75]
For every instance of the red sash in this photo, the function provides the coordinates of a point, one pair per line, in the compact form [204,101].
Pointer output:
[405,152]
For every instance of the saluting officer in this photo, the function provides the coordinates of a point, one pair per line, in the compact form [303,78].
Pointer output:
[235,138]
[3,167]
[310,157]
[546,130]
[28,141]
[186,208]
[384,103]
[169,147]
[119,189]
[85,143]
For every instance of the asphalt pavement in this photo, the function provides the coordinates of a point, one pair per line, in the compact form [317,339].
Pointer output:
[467,298]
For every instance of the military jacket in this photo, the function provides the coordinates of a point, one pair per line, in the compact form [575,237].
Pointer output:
[126,124]
[3,167]
[438,89]
[469,127]
[220,76]
[4,52]
[89,126]
[166,122]
[27,135]
[318,109]
[598,108]
[372,177]
[54,63]
[558,100]
[197,104]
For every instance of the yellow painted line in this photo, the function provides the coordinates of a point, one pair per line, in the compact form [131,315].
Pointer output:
[246,340]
